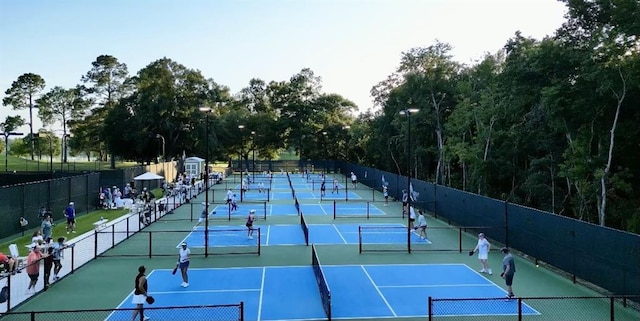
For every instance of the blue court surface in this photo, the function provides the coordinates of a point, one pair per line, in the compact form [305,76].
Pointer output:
[228,236]
[357,291]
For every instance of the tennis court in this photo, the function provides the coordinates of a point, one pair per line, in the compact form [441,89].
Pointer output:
[325,234]
[357,291]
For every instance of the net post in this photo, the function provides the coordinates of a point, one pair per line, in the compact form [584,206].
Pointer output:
[95,244]
[269,194]
[409,240]
[368,204]
[334,209]
[259,242]
[430,308]
[373,194]
[519,309]
[359,239]
[241,310]
[265,210]
[150,244]
[229,211]
[460,240]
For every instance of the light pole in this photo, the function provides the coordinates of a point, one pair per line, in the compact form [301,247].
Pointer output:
[253,150]
[346,158]
[207,111]
[241,127]
[6,148]
[324,141]
[164,157]
[407,112]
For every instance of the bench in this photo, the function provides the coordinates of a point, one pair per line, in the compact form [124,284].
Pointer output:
[100,224]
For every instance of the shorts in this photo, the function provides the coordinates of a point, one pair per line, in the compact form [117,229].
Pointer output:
[34,277]
[57,263]
[508,279]
[71,220]
[184,265]
[138,299]
[354,181]
[249,225]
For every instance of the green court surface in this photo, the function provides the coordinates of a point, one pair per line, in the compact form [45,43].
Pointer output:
[107,281]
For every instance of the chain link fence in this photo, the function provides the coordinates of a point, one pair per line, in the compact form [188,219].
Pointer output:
[227,312]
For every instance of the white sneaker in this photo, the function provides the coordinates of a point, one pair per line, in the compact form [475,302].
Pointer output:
[186,285]
[250,237]
[182,284]
[482,271]
[490,272]
[146,318]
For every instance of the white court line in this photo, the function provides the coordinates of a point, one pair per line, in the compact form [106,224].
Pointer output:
[268,234]
[378,290]
[340,234]
[264,272]
[435,286]
[205,291]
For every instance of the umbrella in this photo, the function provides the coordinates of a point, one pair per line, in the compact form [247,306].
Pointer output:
[148,176]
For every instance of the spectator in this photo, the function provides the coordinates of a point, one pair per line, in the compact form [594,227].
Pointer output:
[33,268]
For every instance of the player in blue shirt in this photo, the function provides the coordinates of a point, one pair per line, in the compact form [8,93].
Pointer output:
[70,214]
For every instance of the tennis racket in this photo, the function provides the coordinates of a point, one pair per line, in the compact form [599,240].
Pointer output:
[175,269]
[471,253]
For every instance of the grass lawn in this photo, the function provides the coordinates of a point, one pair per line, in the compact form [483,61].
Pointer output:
[84,223]
[26,164]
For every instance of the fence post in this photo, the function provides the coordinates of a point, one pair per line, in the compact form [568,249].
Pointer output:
[519,309]
[95,244]
[430,308]
[150,243]
[612,316]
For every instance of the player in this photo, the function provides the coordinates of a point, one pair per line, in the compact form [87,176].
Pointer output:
[184,254]
[323,189]
[385,192]
[354,180]
[229,195]
[140,293]
[483,247]
[335,186]
[412,217]
[508,270]
[250,219]
[422,225]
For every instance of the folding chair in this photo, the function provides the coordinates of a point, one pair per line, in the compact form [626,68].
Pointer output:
[15,254]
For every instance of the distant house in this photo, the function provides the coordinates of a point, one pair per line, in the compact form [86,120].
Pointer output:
[194,165]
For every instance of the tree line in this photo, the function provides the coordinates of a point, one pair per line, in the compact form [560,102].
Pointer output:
[549,123]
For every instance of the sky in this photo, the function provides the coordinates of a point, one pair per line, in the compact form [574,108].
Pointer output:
[351,44]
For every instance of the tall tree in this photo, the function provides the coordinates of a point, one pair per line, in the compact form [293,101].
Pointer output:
[62,105]
[108,81]
[23,94]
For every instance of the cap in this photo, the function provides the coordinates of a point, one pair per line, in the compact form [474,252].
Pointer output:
[504,250]
[184,244]
[252,211]
[61,239]
[70,203]
[481,235]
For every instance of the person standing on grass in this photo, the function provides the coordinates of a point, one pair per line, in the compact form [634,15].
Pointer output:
[140,293]
[70,214]
[508,270]
[250,219]
[483,247]
[184,254]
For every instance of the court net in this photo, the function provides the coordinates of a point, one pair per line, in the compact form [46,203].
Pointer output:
[360,209]
[325,293]
[305,228]
[397,238]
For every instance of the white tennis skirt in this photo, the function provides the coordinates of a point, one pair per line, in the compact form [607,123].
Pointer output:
[138,299]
